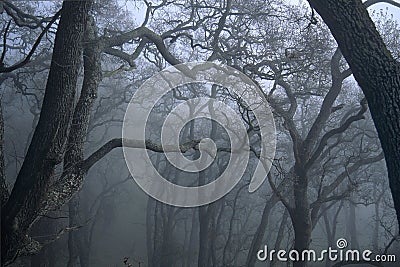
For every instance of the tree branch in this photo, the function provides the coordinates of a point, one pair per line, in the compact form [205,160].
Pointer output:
[35,45]
[147,144]
[3,54]
[20,18]
[349,170]
[122,55]
[278,193]
[335,131]
[329,100]
[142,32]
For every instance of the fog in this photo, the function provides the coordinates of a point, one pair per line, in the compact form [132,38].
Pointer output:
[325,179]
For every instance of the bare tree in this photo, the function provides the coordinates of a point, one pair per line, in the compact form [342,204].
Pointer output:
[371,64]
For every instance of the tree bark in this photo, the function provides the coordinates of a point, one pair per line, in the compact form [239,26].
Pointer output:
[375,70]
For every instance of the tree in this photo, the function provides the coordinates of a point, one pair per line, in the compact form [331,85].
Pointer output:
[270,42]
[47,145]
[375,70]
[62,127]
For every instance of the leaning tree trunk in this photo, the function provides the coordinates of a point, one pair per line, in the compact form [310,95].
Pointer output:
[47,145]
[375,70]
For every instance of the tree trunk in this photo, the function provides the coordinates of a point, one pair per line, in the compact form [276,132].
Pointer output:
[259,234]
[48,141]
[77,246]
[375,236]
[3,185]
[149,231]
[167,248]
[194,231]
[280,235]
[352,226]
[205,212]
[204,231]
[72,235]
[375,70]
[48,254]
[301,215]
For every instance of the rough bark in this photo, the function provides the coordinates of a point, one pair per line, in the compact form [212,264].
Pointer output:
[77,137]
[375,70]
[48,141]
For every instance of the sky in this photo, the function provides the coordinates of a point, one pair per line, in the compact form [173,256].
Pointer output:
[392,9]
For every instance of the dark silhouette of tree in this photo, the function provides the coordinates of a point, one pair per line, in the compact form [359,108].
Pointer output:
[47,146]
